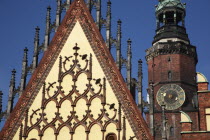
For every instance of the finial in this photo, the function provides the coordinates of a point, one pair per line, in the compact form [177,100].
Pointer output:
[140,93]
[119,21]
[108,25]
[58,14]
[48,8]
[118,45]
[47,30]
[1,94]
[37,33]
[129,41]
[89,5]
[129,56]
[24,71]
[26,50]
[25,54]
[36,52]
[37,28]
[13,77]
[140,61]
[11,93]
[98,13]
[68,3]
[140,69]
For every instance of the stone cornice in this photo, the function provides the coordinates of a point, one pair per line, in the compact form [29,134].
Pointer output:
[178,47]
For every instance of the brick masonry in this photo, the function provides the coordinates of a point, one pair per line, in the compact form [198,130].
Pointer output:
[196,136]
[183,72]
[204,102]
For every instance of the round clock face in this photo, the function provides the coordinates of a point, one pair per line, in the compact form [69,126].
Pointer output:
[172,95]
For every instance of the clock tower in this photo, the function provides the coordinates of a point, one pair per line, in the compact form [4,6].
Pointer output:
[171,73]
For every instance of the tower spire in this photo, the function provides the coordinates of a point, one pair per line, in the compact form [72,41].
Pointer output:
[89,5]
[1,94]
[11,93]
[1,107]
[140,77]
[68,3]
[47,30]
[24,71]
[36,51]
[128,66]
[108,25]
[58,14]
[98,14]
[118,44]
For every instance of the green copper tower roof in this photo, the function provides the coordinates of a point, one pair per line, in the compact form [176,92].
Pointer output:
[169,3]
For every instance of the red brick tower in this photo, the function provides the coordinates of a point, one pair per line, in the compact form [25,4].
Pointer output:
[171,72]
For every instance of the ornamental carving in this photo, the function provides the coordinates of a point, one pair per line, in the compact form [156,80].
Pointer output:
[73,67]
[163,48]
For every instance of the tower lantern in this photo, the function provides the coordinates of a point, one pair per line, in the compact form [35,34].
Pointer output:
[170,20]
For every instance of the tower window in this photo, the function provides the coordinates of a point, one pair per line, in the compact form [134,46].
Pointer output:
[169,59]
[169,75]
[207,111]
[171,131]
[111,136]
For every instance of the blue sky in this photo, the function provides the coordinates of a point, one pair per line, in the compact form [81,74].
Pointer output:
[20,17]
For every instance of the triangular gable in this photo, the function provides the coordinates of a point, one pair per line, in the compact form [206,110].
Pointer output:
[77,12]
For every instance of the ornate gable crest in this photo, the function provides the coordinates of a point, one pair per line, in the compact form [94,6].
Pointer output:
[63,89]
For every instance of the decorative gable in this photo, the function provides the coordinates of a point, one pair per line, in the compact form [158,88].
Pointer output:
[77,91]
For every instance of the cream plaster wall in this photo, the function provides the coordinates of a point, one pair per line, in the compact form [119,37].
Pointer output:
[207,111]
[185,117]
[171,39]
[77,36]
[201,78]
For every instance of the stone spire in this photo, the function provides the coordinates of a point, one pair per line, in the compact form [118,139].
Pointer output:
[11,93]
[68,3]
[58,14]
[47,30]
[24,71]
[128,66]
[98,14]
[1,94]
[140,77]
[108,25]
[36,51]
[118,45]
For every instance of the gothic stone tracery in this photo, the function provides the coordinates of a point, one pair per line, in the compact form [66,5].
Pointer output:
[73,66]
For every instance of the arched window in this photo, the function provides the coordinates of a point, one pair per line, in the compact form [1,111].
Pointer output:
[169,75]
[169,59]
[33,139]
[111,136]
[171,131]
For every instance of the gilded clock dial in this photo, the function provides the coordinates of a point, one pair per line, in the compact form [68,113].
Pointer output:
[172,95]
